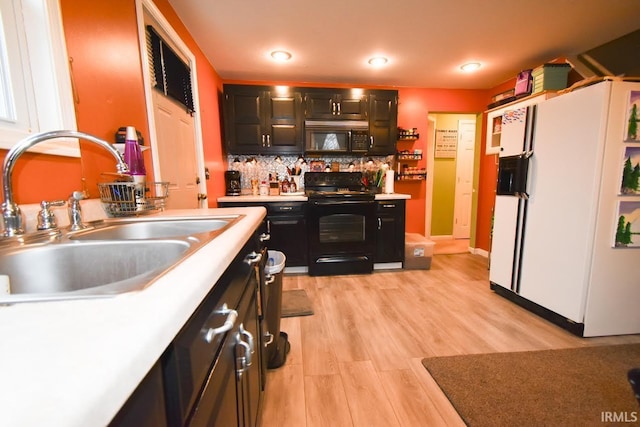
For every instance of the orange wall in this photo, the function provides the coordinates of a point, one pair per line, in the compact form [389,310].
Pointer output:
[414,107]
[102,43]
[487,181]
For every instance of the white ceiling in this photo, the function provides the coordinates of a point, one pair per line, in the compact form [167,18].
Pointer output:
[425,40]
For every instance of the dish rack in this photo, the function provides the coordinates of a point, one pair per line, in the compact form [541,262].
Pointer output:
[132,198]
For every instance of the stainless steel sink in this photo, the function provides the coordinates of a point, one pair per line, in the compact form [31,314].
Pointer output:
[71,270]
[161,228]
[111,257]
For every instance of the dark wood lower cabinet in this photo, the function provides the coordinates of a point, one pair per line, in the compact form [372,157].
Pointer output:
[146,406]
[286,225]
[212,373]
[390,217]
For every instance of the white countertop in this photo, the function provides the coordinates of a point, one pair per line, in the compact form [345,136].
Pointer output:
[297,198]
[74,363]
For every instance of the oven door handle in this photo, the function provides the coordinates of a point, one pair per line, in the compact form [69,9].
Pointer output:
[342,202]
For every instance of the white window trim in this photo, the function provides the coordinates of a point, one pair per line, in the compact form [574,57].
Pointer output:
[148,7]
[47,78]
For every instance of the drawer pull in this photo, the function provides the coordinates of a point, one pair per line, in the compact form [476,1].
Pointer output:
[228,324]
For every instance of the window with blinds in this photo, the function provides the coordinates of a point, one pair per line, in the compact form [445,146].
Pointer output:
[169,73]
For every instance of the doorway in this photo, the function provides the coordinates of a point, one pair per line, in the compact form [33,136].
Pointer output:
[451,206]
[175,136]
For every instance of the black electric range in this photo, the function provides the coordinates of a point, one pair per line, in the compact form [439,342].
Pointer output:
[341,223]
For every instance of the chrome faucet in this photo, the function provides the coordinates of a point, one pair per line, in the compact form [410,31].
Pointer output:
[10,211]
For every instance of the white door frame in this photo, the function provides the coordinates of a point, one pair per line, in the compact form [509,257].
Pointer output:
[147,6]
[431,138]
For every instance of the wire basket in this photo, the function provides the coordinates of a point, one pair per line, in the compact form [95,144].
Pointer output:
[132,198]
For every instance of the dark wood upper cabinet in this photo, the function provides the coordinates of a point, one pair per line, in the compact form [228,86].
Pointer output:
[336,104]
[262,119]
[383,121]
[271,120]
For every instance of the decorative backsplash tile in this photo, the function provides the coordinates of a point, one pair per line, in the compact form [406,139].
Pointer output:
[260,167]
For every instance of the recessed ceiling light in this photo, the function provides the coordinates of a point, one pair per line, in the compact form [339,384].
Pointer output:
[378,61]
[470,66]
[281,55]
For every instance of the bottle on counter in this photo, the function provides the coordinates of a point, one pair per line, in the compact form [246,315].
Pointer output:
[284,186]
[133,158]
[293,187]
[264,188]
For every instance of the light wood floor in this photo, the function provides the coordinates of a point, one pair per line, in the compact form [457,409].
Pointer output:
[451,246]
[357,360]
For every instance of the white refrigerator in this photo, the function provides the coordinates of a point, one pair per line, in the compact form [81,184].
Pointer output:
[558,210]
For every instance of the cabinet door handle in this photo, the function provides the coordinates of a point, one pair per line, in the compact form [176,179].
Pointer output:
[379,224]
[333,108]
[339,112]
[228,324]
[269,279]
[269,339]
[244,361]
[263,140]
[268,140]
[371,142]
[264,237]
[253,258]
[250,340]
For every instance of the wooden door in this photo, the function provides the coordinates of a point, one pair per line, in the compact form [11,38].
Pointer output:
[464,179]
[175,133]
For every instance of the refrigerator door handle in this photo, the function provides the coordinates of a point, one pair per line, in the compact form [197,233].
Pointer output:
[522,175]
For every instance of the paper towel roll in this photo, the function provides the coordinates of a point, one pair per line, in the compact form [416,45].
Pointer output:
[388,182]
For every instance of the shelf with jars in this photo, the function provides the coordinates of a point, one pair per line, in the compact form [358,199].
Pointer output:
[411,173]
[408,168]
[409,156]
[408,134]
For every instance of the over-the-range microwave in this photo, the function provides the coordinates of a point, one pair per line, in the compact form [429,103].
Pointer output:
[336,136]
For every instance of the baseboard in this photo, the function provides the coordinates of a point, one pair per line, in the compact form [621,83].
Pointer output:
[478,251]
[441,237]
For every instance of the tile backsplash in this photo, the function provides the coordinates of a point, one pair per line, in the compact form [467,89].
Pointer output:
[260,166]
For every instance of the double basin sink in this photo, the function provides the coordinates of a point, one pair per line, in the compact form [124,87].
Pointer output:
[110,257]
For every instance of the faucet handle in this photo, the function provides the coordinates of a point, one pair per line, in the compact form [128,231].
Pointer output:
[75,214]
[77,196]
[46,218]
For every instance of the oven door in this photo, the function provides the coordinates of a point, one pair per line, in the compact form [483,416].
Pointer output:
[341,236]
